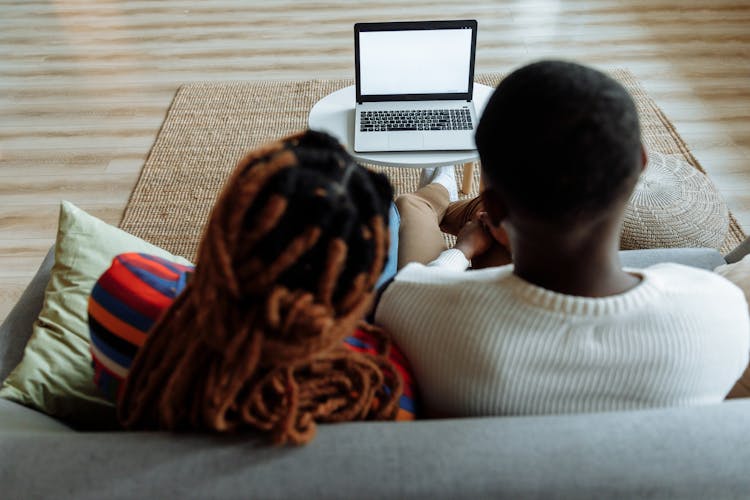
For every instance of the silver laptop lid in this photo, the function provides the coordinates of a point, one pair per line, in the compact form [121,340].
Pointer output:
[415,61]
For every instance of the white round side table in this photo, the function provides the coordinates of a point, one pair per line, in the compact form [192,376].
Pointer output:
[335,114]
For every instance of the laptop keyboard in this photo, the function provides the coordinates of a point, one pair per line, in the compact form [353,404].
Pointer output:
[421,119]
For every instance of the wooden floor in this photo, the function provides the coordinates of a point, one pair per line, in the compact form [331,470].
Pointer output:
[84,85]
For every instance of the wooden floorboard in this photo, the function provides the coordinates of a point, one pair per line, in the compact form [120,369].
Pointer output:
[85,85]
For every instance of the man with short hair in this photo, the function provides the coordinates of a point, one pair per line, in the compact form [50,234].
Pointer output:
[564,328]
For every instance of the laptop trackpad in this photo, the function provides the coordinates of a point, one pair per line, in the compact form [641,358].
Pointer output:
[405,141]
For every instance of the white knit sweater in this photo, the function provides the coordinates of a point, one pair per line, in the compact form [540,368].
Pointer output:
[487,342]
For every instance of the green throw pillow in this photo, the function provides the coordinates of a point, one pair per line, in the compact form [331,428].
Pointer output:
[55,375]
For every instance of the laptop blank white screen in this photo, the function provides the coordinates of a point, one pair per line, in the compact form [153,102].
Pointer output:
[414,61]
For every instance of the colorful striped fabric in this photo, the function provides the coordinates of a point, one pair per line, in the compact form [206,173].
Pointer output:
[362,341]
[125,302]
[131,295]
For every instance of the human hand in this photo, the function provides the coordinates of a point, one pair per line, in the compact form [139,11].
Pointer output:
[474,238]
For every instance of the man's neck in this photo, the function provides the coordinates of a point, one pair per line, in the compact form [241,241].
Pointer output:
[585,264]
[572,277]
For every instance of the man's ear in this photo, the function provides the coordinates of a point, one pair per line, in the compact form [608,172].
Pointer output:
[494,205]
[497,212]
[644,157]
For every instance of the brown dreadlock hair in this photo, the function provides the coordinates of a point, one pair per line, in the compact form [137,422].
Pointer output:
[285,271]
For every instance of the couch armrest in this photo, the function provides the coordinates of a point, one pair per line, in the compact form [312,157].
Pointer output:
[16,329]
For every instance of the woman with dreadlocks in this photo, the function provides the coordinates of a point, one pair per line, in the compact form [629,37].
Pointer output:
[266,332]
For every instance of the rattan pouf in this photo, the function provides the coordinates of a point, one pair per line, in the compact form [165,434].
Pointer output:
[674,205]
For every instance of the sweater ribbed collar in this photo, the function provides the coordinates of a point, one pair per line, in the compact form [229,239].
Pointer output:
[644,292]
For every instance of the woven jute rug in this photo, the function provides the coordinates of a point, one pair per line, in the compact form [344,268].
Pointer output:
[210,126]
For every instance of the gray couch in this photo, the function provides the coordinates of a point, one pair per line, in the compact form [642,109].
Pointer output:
[700,452]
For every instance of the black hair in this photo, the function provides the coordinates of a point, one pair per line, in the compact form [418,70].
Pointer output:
[560,140]
[328,190]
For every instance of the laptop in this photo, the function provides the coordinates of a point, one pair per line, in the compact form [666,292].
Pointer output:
[414,83]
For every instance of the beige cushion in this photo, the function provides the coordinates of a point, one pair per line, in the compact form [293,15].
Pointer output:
[739,274]
[55,375]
